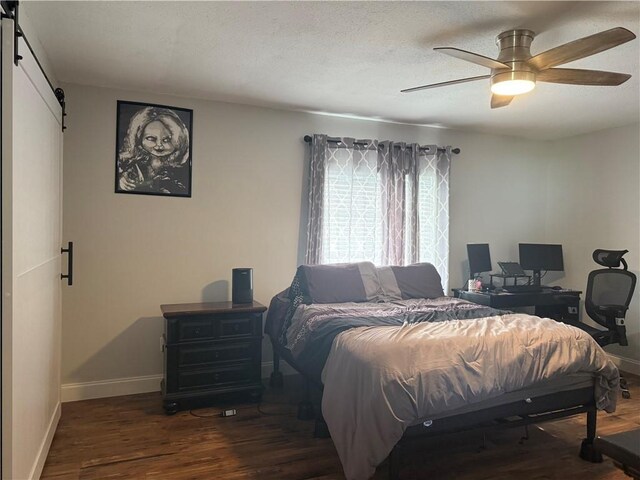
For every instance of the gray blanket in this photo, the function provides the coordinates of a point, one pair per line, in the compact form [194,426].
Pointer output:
[380,380]
[314,327]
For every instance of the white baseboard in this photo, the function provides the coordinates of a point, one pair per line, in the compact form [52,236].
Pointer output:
[43,452]
[625,364]
[110,388]
[72,392]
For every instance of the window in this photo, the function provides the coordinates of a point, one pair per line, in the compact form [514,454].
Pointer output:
[383,202]
[351,230]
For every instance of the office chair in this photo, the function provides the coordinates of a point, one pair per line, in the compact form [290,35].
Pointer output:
[609,292]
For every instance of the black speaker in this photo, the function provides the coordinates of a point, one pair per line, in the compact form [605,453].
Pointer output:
[242,285]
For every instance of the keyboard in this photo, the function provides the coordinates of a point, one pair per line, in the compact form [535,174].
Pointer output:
[522,288]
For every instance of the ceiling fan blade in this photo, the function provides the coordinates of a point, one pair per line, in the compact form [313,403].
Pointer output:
[581,48]
[582,77]
[444,84]
[498,101]
[472,57]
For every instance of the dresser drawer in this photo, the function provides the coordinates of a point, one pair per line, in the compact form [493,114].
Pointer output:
[233,374]
[195,328]
[207,353]
[236,327]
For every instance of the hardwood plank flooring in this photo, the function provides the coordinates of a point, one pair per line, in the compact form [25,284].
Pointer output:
[130,437]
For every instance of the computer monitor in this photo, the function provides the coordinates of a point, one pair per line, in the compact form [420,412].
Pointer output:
[540,256]
[479,258]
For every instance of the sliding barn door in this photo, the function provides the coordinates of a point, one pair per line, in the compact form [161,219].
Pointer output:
[31,241]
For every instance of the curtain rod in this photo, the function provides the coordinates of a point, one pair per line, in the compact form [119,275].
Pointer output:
[307,138]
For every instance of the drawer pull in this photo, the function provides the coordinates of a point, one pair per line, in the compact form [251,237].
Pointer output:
[197,331]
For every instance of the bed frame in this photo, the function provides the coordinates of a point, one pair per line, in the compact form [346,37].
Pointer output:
[516,414]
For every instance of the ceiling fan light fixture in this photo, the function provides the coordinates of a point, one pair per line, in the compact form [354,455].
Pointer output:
[512,87]
[513,83]
[515,71]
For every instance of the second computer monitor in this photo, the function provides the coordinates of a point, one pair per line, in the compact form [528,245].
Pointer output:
[539,256]
[479,258]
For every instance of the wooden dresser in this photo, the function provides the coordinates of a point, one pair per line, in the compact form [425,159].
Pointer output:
[210,349]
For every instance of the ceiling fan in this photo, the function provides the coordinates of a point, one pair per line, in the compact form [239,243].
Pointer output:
[516,71]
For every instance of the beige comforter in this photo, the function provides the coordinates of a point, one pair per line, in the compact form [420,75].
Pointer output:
[380,380]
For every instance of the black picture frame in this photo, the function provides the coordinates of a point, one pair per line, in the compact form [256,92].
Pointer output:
[153,149]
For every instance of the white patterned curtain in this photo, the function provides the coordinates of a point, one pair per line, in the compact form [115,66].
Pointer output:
[318,165]
[397,163]
[433,209]
[384,202]
[343,211]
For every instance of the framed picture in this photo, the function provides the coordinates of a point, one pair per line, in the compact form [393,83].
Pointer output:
[153,149]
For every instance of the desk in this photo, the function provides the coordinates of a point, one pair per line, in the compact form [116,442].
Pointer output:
[556,304]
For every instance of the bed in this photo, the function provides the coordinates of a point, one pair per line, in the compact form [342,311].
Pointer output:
[397,361]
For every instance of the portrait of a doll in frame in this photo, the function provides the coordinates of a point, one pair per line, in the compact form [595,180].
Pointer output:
[153,149]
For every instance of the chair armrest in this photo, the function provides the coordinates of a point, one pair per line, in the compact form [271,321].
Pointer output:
[611,317]
[611,310]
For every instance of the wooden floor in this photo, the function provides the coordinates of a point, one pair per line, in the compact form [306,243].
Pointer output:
[130,437]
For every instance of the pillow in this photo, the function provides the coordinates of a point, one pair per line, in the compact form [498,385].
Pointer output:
[420,280]
[346,282]
[388,285]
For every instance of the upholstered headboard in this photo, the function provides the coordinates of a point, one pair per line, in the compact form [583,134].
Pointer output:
[351,282]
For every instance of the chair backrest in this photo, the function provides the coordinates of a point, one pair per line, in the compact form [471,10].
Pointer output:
[610,258]
[608,286]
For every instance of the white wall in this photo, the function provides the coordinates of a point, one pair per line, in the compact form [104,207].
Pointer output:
[594,202]
[497,196]
[31,34]
[136,252]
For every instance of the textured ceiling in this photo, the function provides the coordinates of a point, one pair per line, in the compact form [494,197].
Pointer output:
[349,58]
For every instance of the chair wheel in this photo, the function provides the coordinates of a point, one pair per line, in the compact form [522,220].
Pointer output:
[626,394]
[589,453]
